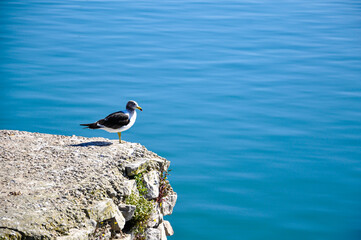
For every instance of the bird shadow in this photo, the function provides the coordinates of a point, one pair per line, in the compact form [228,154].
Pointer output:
[94,143]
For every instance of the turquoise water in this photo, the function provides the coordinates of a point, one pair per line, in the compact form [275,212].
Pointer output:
[256,103]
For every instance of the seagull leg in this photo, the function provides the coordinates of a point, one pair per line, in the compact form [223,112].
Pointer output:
[119,135]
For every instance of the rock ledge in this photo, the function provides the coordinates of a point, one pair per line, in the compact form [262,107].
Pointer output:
[71,187]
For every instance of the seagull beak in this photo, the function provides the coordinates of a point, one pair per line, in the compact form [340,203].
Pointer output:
[140,108]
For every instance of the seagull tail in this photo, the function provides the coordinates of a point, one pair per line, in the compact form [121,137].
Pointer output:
[90,125]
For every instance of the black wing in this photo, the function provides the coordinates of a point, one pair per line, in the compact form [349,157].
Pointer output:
[115,120]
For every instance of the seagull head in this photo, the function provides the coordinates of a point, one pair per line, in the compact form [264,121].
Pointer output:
[132,105]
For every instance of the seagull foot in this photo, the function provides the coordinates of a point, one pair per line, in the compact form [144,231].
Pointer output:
[120,139]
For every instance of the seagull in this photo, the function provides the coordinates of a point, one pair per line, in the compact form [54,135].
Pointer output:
[117,122]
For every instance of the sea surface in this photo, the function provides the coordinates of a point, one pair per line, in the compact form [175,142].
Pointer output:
[257,104]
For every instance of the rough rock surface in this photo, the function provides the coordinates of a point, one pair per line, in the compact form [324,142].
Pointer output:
[127,211]
[69,187]
[153,234]
[168,228]
[151,180]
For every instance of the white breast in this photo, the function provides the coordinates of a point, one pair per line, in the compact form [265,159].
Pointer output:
[132,116]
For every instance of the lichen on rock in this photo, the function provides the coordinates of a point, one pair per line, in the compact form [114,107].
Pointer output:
[70,187]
